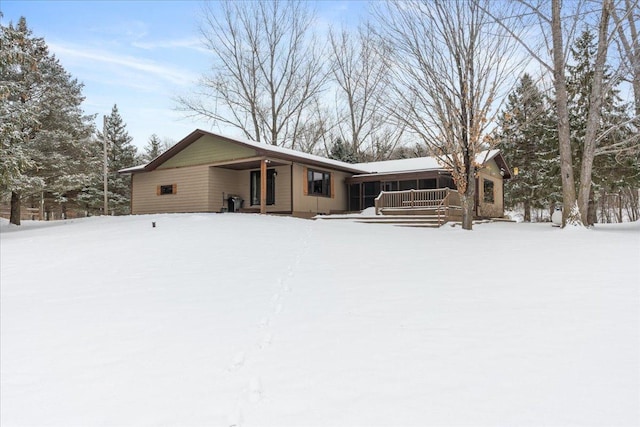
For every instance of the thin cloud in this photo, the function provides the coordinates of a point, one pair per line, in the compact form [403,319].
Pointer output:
[192,43]
[173,75]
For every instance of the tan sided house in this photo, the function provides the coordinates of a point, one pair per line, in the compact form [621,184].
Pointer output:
[206,172]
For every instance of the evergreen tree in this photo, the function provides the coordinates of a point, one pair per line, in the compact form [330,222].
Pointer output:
[526,140]
[63,157]
[43,131]
[615,165]
[343,152]
[120,154]
[153,148]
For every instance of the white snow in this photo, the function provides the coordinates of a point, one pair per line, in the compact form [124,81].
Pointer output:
[238,319]
[417,164]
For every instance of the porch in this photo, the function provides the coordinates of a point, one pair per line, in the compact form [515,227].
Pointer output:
[441,205]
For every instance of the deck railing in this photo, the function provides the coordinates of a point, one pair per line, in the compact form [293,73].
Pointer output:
[440,200]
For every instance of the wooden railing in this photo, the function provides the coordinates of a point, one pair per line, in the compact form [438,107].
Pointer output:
[440,200]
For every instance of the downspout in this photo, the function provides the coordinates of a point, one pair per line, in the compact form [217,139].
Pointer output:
[291,185]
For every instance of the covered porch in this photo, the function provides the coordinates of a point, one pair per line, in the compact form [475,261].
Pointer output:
[258,185]
[364,189]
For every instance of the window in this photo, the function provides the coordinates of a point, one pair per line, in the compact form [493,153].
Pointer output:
[163,190]
[318,183]
[271,187]
[390,186]
[427,184]
[408,185]
[487,190]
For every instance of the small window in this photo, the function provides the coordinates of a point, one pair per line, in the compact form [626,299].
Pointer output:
[318,183]
[488,191]
[166,189]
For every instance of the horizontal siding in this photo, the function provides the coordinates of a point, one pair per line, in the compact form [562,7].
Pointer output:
[492,172]
[206,150]
[282,190]
[192,191]
[223,183]
[305,205]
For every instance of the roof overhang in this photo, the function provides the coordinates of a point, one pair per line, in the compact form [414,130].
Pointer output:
[275,154]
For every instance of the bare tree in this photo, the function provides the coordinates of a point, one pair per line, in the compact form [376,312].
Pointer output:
[360,68]
[450,65]
[556,27]
[626,19]
[266,68]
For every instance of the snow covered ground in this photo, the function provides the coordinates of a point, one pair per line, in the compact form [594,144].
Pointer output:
[237,319]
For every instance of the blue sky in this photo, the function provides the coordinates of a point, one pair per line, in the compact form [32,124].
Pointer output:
[137,54]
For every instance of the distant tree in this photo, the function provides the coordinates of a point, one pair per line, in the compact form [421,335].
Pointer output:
[153,148]
[360,68]
[266,68]
[121,153]
[343,152]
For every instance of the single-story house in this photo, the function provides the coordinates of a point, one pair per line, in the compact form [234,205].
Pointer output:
[206,172]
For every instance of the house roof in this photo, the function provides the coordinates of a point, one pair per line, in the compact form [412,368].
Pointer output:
[423,164]
[261,150]
[418,164]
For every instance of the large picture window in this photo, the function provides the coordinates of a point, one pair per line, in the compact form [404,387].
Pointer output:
[271,187]
[487,191]
[318,183]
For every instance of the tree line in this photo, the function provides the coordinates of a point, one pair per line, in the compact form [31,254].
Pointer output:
[419,78]
[52,154]
[436,75]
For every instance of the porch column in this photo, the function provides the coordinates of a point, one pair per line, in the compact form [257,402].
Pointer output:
[263,186]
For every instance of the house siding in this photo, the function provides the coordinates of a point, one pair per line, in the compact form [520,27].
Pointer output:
[308,205]
[491,172]
[239,183]
[192,184]
[206,150]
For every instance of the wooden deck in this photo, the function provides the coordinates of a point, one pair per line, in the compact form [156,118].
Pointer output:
[441,205]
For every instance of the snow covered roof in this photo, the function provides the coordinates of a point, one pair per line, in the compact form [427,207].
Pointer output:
[388,166]
[262,149]
[133,169]
[418,164]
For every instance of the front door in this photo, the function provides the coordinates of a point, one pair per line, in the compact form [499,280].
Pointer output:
[271,187]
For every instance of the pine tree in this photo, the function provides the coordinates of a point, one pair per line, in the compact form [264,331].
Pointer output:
[526,142]
[343,152]
[120,154]
[615,165]
[153,148]
[63,157]
[43,130]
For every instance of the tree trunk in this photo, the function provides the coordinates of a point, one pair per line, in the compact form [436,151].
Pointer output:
[593,115]
[15,208]
[468,202]
[564,135]
[592,211]
[527,211]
